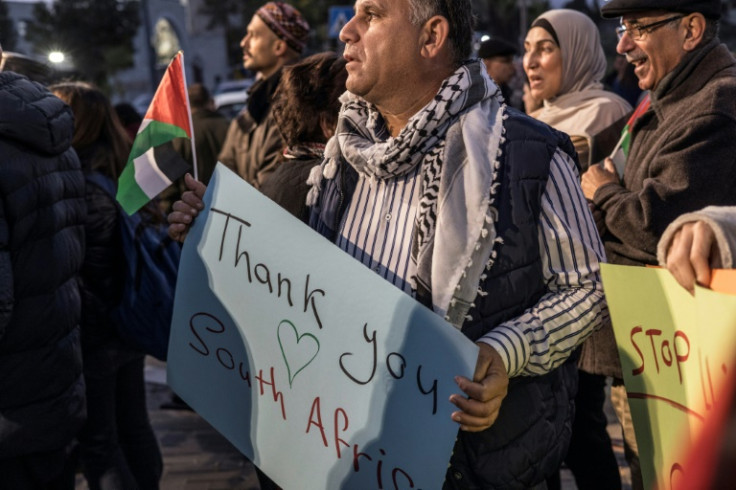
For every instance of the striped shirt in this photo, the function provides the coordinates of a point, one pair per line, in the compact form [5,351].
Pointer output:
[378,227]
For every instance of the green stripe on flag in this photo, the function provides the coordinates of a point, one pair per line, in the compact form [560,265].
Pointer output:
[154,134]
[130,196]
[627,140]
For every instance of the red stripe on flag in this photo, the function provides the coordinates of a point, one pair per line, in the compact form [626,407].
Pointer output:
[640,109]
[169,104]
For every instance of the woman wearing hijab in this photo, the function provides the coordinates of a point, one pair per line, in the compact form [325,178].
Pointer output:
[565,63]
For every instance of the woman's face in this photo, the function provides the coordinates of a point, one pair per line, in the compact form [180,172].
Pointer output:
[542,64]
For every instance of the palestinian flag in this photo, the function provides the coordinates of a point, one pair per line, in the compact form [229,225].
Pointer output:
[621,152]
[153,163]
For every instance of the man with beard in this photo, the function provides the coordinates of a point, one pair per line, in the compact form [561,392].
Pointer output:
[276,36]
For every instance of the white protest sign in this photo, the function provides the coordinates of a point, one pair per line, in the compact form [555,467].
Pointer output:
[317,369]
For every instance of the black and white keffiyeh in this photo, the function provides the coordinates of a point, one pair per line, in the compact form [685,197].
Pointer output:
[456,138]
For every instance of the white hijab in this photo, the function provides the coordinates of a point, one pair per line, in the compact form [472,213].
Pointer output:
[582,107]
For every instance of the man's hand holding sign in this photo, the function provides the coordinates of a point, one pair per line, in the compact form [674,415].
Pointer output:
[676,352]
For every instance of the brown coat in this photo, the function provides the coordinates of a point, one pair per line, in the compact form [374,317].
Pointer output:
[682,158]
[210,130]
[253,145]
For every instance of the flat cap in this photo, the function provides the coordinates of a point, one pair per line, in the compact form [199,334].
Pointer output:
[496,47]
[617,8]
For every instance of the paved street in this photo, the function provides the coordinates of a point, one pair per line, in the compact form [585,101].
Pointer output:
[196,457]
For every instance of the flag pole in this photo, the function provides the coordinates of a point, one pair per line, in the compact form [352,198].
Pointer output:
[189,111]
[618,146]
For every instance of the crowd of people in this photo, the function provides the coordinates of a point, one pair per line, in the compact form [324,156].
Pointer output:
[410,153]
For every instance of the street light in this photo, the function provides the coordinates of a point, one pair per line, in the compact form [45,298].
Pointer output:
[56,57]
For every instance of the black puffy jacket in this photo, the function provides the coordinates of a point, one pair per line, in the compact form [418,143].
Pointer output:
[102,275]
[42,213]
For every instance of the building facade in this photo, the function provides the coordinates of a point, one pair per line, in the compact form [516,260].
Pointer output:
[167,26]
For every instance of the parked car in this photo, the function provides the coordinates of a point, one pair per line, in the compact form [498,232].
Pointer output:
[229,104]
[240,85]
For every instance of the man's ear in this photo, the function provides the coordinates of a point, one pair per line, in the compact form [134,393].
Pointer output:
[434,38]
[280,47]
[694,25]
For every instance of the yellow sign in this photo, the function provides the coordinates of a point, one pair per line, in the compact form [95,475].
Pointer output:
[676,352]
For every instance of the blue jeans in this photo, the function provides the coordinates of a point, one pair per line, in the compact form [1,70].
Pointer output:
[118,448]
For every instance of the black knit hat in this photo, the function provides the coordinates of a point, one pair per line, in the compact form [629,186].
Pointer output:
[495,47]
[617,8]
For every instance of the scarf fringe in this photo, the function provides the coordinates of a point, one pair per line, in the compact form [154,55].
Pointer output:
[491,218]
[327,169]
[315,182]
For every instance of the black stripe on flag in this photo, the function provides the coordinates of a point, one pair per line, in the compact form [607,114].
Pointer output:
[171,163]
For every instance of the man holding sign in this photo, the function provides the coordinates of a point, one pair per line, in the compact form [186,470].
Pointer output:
[472,208]
[682,153]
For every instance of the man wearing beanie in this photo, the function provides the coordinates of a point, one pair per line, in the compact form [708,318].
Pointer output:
[276,36]
[682,155]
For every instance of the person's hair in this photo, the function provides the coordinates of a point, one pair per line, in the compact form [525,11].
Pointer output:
[458,13]
[711,29]
[199,96]
[97,128]
[307,94]
[127,113]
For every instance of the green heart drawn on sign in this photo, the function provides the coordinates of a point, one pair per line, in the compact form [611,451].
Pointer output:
[297,350]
